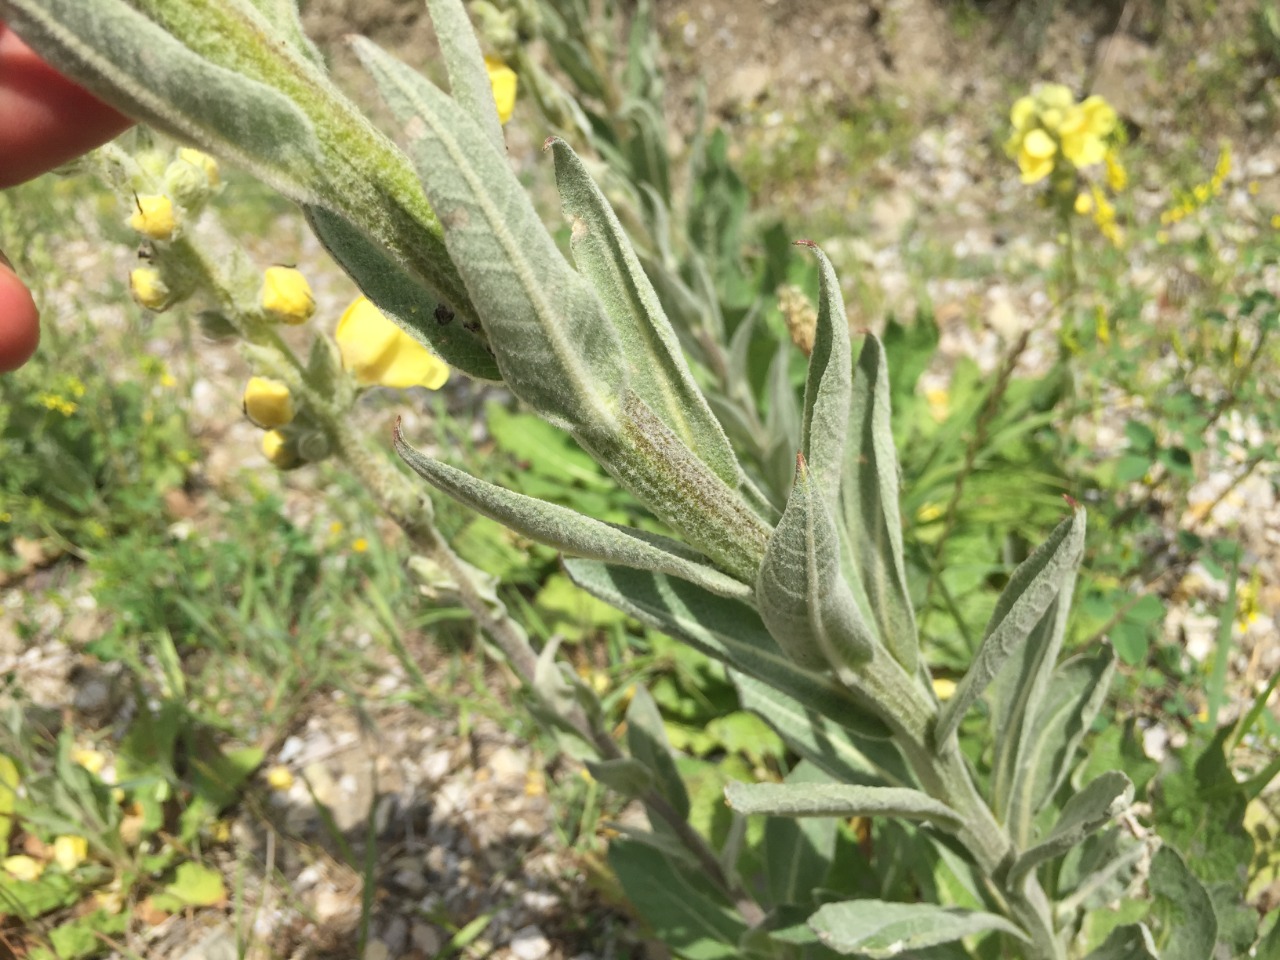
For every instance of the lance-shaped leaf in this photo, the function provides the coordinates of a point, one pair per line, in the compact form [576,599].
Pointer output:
[560,694]
[1190,927]
[1051,736]
[554,345]
[829,385]
[880,929]
[627,776]
[1041,579]
[133,62]
[659,372]
[844,755]
[568,530]
[1104,799]
[838,800]
[798,853]
[869,507]
[403,297]
[647,741]
[725,630]
[1132,941]
[801,592]
[468,80]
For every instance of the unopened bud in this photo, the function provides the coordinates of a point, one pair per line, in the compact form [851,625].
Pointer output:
[268,403]
[286,295]
[154,217]
[278,450]
[149,288]
[205,162]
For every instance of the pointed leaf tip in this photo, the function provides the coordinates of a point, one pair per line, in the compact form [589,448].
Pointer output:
[548,143]
[1075,504]
[804,243]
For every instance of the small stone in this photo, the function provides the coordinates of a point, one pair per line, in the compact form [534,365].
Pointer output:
[426,938]
[528,943]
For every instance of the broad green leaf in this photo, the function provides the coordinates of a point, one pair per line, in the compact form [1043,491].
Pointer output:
[133,62]
[801,592]
[554,344]
[627,776]
[798,853]
[33,898]
[659,372]
[1051,737]
[1189,929]
[826,744]
[1132,941]
[647,741]
[1043,578]
[724,629]
[878,929]
[1088,811]
[403,296]
[683,912]
[569,530]
[84,936]
[828,387]
[468,80]
[838,800]
[8,798]
[869,507]
[194,885]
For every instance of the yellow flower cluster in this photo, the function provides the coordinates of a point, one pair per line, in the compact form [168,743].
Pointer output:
[57,402]
[1050,129]
[1201,193]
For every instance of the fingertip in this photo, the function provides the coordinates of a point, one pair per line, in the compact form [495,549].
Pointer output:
[19,322]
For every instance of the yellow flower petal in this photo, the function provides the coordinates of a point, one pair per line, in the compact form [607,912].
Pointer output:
[286,295]
[1023,113]
[379,353]
[1084,204]
[279,777]
[276,448]
[944,688]
[154,217]
[23,867]
[503,80]
[268,403]
[149,288]
[70,851]
[1054,96]
[91,760]
[1035,159]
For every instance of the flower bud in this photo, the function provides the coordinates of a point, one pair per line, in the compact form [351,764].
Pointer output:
[149,289]
[503,80]
[189,181]
[278,450]
[286,296]
[381,354]
[70,851]
[154,217]
[268,403]
[206,163]
[312,446]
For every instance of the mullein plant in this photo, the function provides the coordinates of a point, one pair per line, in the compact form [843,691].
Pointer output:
[808,608]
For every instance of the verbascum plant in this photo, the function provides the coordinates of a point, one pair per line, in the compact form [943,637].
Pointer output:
[809,611]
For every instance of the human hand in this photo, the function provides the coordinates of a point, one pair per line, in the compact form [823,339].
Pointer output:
[45,120]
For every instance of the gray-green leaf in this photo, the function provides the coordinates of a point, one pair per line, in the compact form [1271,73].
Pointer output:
[828,387]
[1104,799]
[568,530]
[798,853]
[1190,927]
[838,800]
[869,507]
[647,741]
[627,776]
[881,929]
[468,80]
[1132,941]
[554,344]
[659,372]
[801,592]
[1045,576]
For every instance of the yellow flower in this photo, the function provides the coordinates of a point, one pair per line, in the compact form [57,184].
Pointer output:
[380,353]
[1117,175]
[279,777]
[154,217]
[286,295]
[1035,156]
[1023,114]
[277,449]
[70,851]
[268,403]
[23,867]
[1084,204]
[1084,131]
[91,760]
[360,545]
[148,288]
[928,513]
[203,161]
[503,80]
[943,688]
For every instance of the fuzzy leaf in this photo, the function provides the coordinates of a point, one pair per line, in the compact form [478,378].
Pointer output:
[1132,941]
[404,298]
[647,741]
[468,80]
[1104,799]
[283,16]
[1190,928]
[724,629]
[554,344]
[128,59]
[798,853]
[627,776]
[801,592]
[568,530]
[877,929]
[869,507]
[838,800]
[828,387]
[1051,737]
[1045,576]
[659,372]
